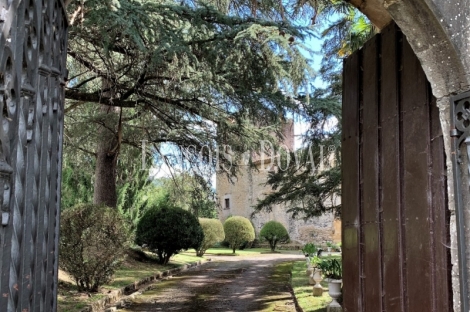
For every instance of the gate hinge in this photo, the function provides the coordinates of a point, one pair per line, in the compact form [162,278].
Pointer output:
[454,133]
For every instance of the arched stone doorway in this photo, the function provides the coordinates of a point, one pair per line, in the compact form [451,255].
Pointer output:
[439,34]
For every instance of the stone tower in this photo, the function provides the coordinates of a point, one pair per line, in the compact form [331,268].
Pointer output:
[238,197]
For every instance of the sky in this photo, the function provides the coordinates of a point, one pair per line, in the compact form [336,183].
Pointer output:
[300,127]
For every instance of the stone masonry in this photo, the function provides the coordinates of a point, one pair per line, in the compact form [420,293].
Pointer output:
[238,198]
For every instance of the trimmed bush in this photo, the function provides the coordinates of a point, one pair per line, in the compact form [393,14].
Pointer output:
[237,231]
[93,241]
[166,230]
[213,233]
[274,232]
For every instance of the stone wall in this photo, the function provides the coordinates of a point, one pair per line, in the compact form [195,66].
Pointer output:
[243,194]
[249,186]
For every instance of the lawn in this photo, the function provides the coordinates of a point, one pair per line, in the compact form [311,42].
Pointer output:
[70,300]
[245,252]
[132,271]
[303,291]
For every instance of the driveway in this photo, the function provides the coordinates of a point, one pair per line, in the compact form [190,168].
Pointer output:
[244,283]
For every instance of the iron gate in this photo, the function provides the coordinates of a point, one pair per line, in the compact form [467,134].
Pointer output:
[32,73]
[395,217]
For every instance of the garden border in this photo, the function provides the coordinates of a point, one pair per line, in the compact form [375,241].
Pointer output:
[114,299]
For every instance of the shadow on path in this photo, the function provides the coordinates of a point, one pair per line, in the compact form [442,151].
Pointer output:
[226,284]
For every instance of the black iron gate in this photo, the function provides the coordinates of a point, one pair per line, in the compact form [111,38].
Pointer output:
[32,72]
[395,217]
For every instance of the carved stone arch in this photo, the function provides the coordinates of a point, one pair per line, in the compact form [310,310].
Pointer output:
[439,34]
[435,30]
[435,41]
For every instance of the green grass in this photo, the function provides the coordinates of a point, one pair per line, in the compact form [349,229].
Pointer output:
[70,300]
[245,252]
[274,299]
[134,271]
[303,291]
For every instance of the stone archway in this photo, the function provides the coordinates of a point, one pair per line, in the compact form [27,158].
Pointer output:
[439,34]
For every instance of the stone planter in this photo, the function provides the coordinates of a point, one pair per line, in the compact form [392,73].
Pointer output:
[317,278]
[309,266]
[310,277]
[334,290]
[309,271]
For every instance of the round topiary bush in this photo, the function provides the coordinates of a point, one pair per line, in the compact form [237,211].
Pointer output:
[237,231]
[213,233]
[167,230]
[274,232]
[93,241]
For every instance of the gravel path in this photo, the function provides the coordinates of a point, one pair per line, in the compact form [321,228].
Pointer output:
[225,284]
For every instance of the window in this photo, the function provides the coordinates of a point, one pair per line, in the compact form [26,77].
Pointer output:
[227,203]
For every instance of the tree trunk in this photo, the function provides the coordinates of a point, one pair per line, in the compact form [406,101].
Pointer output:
[167,258]
[161,258]
[107,151]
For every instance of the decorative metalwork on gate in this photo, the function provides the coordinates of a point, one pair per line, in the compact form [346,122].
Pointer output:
[460,134]
[32,78]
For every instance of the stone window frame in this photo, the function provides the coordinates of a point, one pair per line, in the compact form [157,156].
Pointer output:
[227,198]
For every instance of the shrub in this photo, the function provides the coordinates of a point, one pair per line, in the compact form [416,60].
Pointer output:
[309,249]
[331,268]
[166,230]
[93,241]
[136,253]
[237,231]
[274,232]
[213,233]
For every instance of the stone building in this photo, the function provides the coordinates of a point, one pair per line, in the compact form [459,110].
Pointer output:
[238,197]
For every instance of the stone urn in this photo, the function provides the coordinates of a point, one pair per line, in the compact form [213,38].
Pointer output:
[317,278]
[309,266]
[309,271]
[334,290]
[311,281]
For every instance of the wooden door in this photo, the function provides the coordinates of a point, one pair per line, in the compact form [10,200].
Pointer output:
[395,218]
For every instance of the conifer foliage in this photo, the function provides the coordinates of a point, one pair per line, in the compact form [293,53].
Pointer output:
[201,73]
[309,182]
[184,73]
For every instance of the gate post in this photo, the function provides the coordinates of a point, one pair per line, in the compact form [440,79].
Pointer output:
[460,140]
[33,54]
